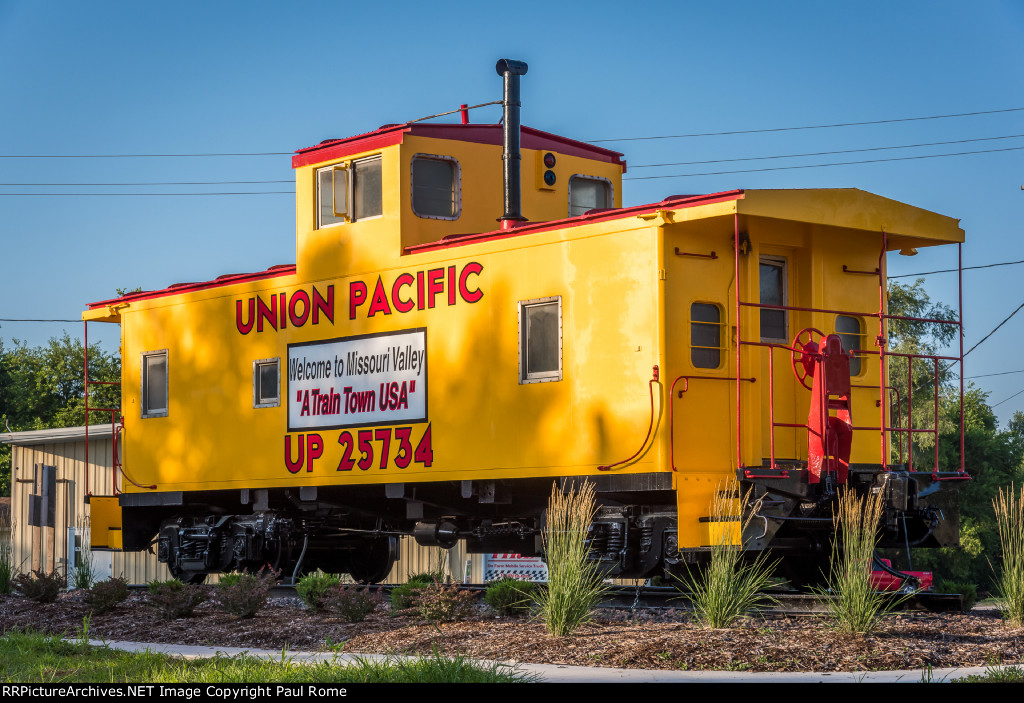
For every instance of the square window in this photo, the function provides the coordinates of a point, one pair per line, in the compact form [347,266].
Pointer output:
[540,340]
[705,335]
[266,383]
[588,193]
[349,192]
[435,187]
[774,323]
[154,383]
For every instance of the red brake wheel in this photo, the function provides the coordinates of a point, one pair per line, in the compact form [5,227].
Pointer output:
[805,349]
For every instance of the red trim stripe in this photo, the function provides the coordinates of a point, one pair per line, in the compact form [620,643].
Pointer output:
[688,201]
[225,280]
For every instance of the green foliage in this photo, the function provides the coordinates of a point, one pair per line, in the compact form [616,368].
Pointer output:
[442,602]
[968,590]
[730,585]
[575,585]
[995,673]
[83,575]
[510,596]
[352,603]
[404,597]
[44,386]
[7,570]
[105,595]
[855,605]
[1009,510]
[244,594]
[173,599]
[313,588]
[39,586]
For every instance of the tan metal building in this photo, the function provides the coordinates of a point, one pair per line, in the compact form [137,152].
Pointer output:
[63,546]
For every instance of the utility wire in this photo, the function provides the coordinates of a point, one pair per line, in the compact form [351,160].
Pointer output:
[147,195]
[836,163]
[23,319]
[152,183]
[817,126]
[141,156]
[965,268]
[825,153]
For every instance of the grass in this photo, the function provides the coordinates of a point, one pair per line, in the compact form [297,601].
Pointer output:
[729,586]
[575,585]
[855,606]
[1009,510]
[35,658]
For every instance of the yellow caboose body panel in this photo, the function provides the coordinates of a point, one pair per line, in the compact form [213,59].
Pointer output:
[420,367]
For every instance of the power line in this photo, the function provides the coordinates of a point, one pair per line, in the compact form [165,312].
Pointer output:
[142,156]
[965,268]
[1006,399]
[152,183]
[147,195]
[24,319]
[817,126]
[826,153]
[1001,373]
[836,163]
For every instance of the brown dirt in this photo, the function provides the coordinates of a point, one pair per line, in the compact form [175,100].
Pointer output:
[910,640]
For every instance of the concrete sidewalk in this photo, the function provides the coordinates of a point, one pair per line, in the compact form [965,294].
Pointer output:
[552,673]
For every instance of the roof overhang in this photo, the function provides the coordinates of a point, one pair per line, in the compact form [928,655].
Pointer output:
[56,435]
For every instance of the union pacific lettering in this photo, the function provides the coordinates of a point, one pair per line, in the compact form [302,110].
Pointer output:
[423,290]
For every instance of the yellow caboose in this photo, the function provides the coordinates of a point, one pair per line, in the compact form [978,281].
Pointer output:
[473,315]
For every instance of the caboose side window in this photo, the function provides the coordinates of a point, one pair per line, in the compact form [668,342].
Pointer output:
[705,335]
[851,332]
[266,383]
[154,383]
[540,340]
[349,192]
[772,274]
[436,186]
[588,193]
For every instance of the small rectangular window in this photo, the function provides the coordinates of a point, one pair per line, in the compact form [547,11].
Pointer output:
[266,383]
[349,192]
[435,187]
[588,193]
[705,335]
[851,331]
[772,275]
[154,383]
[540,340]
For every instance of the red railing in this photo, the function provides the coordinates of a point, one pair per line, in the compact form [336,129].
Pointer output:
[893,429]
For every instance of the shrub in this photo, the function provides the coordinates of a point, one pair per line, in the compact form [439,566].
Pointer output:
[40,587]
[439,602]
[968,590]
[173,599]
[728,586]
[510,596]
[105,595]
[1009,511]
[313,588]
[244,594]
[574,583]
[351,603]
[855,606]
[405,596]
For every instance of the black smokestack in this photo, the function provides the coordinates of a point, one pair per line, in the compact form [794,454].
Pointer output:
[511,70]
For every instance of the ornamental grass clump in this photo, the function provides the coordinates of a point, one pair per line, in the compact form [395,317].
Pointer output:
[510,596]
[729,585]
[1009,509]
[855,606]
[575,584]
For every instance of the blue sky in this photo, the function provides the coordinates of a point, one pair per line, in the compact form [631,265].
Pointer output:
[188,77]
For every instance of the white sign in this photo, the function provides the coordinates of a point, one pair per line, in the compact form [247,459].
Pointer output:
[372,379]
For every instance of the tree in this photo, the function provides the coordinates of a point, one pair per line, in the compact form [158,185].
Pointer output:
[42,387]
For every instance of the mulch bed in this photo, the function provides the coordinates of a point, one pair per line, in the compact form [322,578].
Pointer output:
[641,640]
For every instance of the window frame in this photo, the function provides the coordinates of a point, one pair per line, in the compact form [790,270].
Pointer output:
[861,335]
[350,168]
[783,264]
[721,324]
[145,411]
[582,176]
[525,377]
[456,185]
[256,397]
